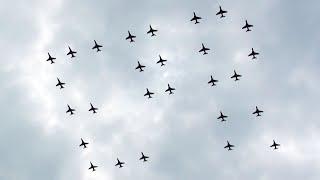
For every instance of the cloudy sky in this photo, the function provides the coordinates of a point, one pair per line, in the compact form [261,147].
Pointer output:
[179,132]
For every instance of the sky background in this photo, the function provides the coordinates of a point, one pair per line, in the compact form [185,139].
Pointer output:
[180,132]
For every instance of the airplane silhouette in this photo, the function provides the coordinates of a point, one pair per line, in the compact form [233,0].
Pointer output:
[71,52]
[221,12]
[236,76]
[140,67]
[119,163]
[213,81]
[247,26]
[148,94]
[257,111]
[144,158]
[229,146]
[170,89]
[222,117]
[92,167]
[93,109]
[161,61]
[97,46]
[51,58]
[130,37]
[275,145]
[204,49]
[195,18]
[60,83]
[70,110]
[84,144]
[253,54]
[152,31]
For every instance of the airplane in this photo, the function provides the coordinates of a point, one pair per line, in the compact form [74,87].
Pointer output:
[144,158]
[222,117]
[213,81]
[92,167]
[195,18]
[119,163]
[148,94]
[97,46]
[60,83]
[161,61]
[257,111]
[236,76]
[84,144]
[71,52]
[229,146]
[51,58]
[275,145]
[94,109]
[247,26]
[221,12]
[204,49]
[130,37]
[140,66]
[170,89]
[152,31]
[70,110]
[253,54]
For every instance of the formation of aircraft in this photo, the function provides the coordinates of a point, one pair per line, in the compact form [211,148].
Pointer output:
[144,158]
[71,52]
[152,31]
[274,145]
[212,81]
[204,49]
[161,61]
[148,93]
[131,37]
[257,111]
[140,67]
[253,54]
[70,110]
[221,12]
[93,109]
[60,83]
[84,144]
[222,116]
[97,46]
[236,76]
[92,167]
[247,26]
[229,146]
[195,18]
[119,163]
[50,58]
[170,89]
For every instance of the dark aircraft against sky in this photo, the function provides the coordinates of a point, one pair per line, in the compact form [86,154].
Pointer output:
[97,46]
[169,89]
[236,76]
[131,37]
[195,18]
[247,26]
[221,12]
[70,110]
[60,83]
[140,67]
[71,52]
[152,31]
[204,49]
[50,58]
[148,93]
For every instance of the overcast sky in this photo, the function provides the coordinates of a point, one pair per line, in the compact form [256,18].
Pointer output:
[180,132]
